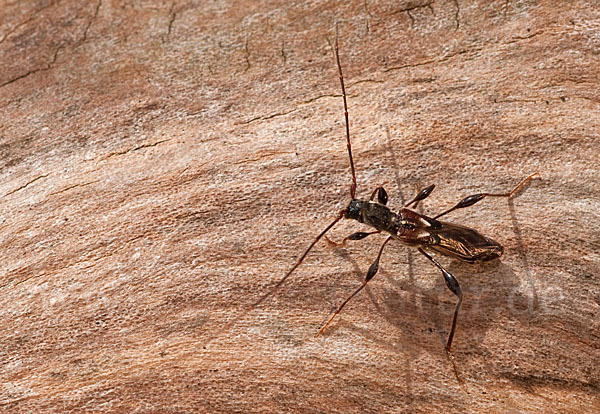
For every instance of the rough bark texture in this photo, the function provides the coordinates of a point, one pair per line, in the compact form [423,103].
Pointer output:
[163,165]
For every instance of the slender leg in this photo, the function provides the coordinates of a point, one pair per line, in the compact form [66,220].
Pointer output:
[453,285]
[416,203]
[382,197]
[472,199]
[359,235]
[370,273]
[423,194]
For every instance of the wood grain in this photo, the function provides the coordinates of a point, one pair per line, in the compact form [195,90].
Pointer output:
[163,165]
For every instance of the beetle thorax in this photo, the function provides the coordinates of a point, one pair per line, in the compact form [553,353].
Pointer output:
[373,214]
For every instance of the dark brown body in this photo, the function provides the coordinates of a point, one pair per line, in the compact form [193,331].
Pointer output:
[414,229]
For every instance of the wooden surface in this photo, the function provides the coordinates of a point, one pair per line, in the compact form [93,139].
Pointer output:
[163,165]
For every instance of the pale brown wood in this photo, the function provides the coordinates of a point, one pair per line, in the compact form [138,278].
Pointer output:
[163,165]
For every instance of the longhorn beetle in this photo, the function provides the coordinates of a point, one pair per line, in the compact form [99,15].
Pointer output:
[427,234]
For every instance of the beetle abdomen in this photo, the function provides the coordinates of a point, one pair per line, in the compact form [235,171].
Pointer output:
[464,243]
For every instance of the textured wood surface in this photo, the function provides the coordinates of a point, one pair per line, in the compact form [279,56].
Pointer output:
[163,165]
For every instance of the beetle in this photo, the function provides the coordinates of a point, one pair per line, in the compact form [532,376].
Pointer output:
[426,234]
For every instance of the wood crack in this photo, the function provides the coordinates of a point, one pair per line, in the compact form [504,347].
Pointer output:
[303,103]
[457,15]
[172,17]
[247,55]
[26,184]
[73,186]
[31,18]
[408,9]
[136,148]
[87,28]
[31,72]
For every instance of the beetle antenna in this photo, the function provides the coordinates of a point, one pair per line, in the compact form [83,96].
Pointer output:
[298,263]
[337,57]
[275,288]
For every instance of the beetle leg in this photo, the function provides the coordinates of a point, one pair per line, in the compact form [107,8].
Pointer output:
[422,195]
[475,198]
[370,273]
[359,235]
[453,285]
[382,197]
